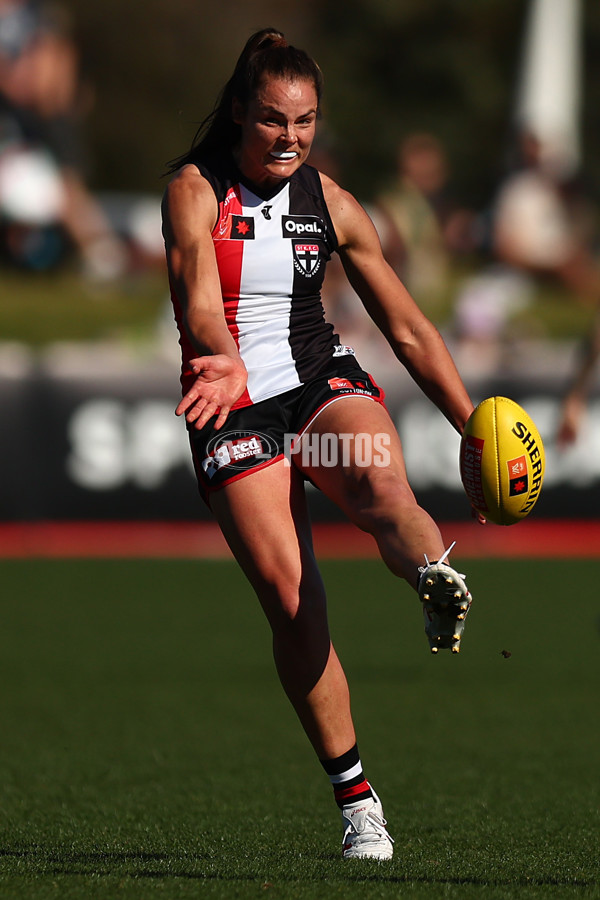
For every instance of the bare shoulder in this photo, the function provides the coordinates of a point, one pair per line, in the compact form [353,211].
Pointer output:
[350,220]
[188,179]
[341,203]
[189,194]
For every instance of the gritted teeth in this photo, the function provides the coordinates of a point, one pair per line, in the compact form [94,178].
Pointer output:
[284,154]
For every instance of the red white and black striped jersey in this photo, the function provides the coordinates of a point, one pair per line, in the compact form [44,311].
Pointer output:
[271,251]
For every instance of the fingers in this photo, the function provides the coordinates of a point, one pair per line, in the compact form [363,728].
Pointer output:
[198,364]
[194,395]
[194,403]
[201,413]
[475,514]
[211,394]
[199,410]
[183,405]
[222,417]
[200,417]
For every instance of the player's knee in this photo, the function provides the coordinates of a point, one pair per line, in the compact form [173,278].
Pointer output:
[382,498]
[300,637]
[294,601]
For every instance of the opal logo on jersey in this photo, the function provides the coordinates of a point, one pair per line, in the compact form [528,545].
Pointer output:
[234,449]
[306,259]
[299,226]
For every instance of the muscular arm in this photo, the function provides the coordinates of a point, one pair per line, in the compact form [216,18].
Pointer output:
[413,338]
[189,213]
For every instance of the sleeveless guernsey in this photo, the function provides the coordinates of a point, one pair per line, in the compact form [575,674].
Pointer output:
[271,251]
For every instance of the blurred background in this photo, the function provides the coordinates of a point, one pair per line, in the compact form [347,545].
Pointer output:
[469,132]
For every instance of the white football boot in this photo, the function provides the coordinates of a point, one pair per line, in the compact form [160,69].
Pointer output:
[365,834]
[446,601]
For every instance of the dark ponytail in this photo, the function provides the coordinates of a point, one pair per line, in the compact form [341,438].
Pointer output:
[267,53]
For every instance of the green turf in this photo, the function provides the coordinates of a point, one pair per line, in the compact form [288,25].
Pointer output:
[40,309]
[147,751]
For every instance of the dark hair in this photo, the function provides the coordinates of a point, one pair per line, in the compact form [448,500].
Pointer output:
[267,53]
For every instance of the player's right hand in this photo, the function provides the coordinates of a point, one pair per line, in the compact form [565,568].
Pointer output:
[220,381]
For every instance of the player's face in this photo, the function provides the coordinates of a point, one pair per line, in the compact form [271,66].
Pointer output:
[278,127]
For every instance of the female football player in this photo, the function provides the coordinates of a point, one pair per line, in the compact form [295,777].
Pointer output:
[249,227]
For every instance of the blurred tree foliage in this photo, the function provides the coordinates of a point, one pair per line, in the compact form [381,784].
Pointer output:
[447,66]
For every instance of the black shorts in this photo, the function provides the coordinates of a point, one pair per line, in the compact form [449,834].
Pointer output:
[256,436]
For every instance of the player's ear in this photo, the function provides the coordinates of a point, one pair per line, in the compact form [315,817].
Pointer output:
[237,111]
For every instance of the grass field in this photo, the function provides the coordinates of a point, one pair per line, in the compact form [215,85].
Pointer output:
[147,749]
[59,306]
[40,309]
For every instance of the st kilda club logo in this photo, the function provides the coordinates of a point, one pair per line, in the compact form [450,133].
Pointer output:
[306,259]
[305,231]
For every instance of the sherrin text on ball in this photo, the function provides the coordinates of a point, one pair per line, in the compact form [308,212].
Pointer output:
[502,461]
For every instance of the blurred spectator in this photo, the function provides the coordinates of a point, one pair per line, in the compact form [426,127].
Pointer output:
[431,225]
[42,170]
[343,307]
[486,302]
[574,403]
[541,230]
[543,226]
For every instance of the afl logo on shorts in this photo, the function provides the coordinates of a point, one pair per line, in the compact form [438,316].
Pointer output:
[306,259]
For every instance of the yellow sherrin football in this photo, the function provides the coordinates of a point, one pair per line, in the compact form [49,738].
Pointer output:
[502,461]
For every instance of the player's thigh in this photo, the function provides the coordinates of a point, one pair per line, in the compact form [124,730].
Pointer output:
[353,453]
[265,520]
